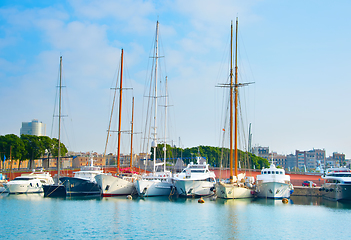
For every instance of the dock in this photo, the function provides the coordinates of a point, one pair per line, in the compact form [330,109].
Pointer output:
[307,191]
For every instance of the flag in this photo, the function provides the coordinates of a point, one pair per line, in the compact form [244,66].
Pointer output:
[4,157]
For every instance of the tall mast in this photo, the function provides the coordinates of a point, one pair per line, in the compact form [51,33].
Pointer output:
[120,114]
[131,137]
[231,104]
[165,145]
[59,130]
[236,101]
[154,142]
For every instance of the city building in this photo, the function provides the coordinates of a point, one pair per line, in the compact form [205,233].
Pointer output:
[262,152]
[279,160]
[33,128]
[309,159]
[290,162]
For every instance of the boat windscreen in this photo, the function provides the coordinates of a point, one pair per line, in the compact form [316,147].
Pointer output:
[22,179]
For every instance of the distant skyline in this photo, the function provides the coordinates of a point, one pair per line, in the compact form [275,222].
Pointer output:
[297,53]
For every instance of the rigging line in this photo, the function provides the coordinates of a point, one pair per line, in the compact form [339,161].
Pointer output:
[66,102]
[112,109]
[144,104]
[56,97]
[247,56]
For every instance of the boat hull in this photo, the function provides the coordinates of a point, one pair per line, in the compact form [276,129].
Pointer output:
[194,188]
[24,187]
[153,187]
[233,191]
[273,190]
[80,187]
[54,191]
[115,186]
[336,192]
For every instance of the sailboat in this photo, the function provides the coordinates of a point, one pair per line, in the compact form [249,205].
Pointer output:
[155,183]
[239,186]
[117,185]
[57,189]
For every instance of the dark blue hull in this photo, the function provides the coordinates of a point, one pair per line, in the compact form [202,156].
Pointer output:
[80,187]
[54,191]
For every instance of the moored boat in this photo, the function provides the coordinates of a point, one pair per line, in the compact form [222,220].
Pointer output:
[56,189]
[238,186]
[157,183]
[111,185]
[29,183]
[337,186]
[273,183]
[195,180]
[83,183]
[154,184]
[118,184]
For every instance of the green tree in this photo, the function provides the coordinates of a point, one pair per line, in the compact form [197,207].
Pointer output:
[48,145]
[12,147]
[63,150]
[34,148]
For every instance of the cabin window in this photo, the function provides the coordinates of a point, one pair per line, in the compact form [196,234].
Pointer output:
[264,172]
[276,172]
[269,172]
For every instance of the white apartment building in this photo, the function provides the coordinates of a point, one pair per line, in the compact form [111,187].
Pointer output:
[33,128]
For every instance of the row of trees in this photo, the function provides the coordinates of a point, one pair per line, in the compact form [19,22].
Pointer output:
[29,147]
[215,156]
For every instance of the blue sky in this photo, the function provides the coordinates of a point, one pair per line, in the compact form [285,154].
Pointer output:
[297,53]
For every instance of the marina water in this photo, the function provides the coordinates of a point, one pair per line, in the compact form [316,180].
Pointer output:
[34,217]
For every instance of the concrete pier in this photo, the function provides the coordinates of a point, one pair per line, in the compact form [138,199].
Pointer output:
[306,191]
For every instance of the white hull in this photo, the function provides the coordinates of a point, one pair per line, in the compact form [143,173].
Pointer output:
[153,187]
[273,190]
[190,188]
[337,192]
[29,183]
[115,186]
[233,191]
[24,187]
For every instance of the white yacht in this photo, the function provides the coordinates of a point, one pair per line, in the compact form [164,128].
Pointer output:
[29,183]
[195,180]
[116,185]
[337,186]
[273,183]
[154,184]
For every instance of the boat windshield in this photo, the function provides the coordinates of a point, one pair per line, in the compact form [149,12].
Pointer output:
[340,175]
[22,179]
[197,171]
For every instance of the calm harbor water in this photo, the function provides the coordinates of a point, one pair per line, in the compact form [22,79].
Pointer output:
[34,217]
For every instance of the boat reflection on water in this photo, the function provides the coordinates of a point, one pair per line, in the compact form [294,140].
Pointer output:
[4,194]
[302,200]
[271,201]
[24,196]
[238,201]
[319,201]
[85,197]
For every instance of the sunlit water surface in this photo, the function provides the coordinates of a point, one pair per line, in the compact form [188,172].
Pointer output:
[34,217]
